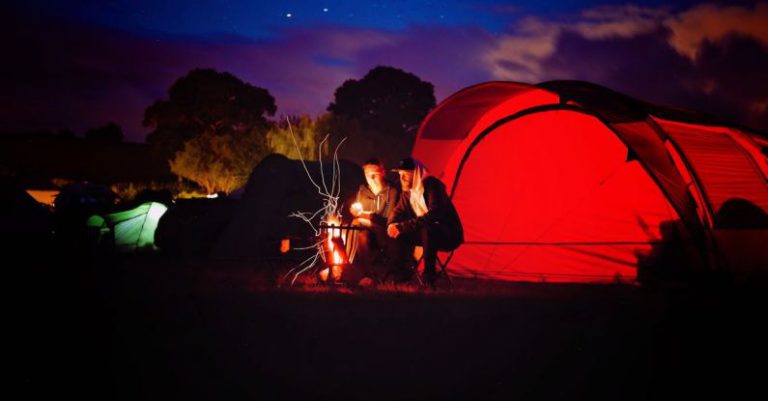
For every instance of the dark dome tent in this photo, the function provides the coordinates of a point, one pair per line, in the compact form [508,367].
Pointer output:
[277,187]
[567,181]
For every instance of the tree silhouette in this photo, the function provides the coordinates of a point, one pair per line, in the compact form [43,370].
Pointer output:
[110,132]
[206,102]
[389,105]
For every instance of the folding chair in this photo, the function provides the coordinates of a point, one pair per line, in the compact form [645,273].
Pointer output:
[443,265]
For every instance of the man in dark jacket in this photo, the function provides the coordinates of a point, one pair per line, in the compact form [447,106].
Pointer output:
[424,215]
[372,205]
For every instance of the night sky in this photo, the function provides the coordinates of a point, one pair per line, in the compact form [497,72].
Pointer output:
[81,64]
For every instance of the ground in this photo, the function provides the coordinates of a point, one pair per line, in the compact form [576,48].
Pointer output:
[140,328]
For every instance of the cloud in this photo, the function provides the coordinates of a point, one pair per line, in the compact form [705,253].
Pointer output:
[624,12]
[737,67]
[449,58]
[634,50]
[711,23]
[518,56]
[64,75]
[619,21]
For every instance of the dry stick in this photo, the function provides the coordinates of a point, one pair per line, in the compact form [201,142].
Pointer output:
[330,203]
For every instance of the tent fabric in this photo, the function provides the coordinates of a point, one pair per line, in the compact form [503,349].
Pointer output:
[724,167]
[648,146]
[132,229]
[539,208]
[441,132]
[277,188]
[569,181]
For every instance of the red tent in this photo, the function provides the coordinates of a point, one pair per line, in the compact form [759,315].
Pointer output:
[569,181]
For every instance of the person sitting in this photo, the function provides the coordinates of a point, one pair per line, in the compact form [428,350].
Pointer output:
[373,203]
[424,215]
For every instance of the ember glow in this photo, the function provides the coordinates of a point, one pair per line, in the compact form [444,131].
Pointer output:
[335,252]
[332,233]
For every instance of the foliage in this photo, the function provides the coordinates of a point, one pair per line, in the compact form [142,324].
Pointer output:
[220,163]
[128,191]
[357,147]
[304,133]
[110,132]
[389,105]
[387,100]
[206,102]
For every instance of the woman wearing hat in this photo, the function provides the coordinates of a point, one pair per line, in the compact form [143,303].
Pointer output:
[424,215]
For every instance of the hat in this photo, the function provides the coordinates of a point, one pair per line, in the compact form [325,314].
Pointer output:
[405,164]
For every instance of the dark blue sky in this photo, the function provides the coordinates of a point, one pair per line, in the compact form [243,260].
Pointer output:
[264,19]
[81,64]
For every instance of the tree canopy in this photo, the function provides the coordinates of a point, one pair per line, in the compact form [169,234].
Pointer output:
[387,100]
[110,132]
[211,129]
[389,104]
[299,140]
[219,163]
[206,101]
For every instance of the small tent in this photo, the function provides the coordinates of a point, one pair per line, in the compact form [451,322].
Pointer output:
[130,230]
[568,181]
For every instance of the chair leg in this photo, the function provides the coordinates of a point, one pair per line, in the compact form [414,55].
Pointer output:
[416,271]
[444,268]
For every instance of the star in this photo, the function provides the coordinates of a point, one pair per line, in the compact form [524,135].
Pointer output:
[288,15]
[325,10]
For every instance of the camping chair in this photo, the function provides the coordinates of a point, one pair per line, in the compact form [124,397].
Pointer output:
[441,264]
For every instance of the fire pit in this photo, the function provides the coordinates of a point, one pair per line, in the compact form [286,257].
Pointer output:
[335,256]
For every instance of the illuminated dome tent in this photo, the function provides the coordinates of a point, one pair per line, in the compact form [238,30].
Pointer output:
[131,230]
[568,181]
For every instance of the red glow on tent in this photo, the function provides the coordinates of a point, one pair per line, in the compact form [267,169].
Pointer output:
[572,182]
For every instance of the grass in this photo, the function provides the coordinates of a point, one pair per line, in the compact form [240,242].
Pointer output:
[143,328]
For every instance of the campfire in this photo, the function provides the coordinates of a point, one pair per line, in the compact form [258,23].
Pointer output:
[334,250]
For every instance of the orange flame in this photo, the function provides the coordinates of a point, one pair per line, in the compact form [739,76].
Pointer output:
[337,260]
[336,254]
[337,270]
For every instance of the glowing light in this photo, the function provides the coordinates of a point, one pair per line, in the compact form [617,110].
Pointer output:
[288,15]
[337,260]
[357,208]
[46,197]
[333,232]
[156,211]
[336,273]
[285,245]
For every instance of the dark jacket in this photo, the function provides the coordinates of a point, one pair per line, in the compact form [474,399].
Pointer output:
[381,205]
[441,216]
